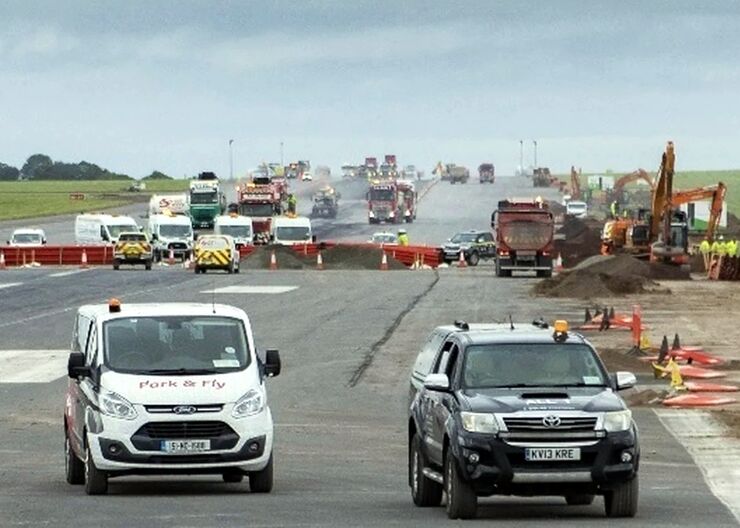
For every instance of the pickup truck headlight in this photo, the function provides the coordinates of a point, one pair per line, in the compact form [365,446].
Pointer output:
[617,421]
[253,402]
[479,422]
[116,406]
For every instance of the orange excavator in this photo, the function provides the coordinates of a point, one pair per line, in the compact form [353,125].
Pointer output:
[618,189]
[716,193]
[575,183]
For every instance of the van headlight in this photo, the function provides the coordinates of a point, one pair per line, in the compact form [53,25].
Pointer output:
[479,422]
[253,402]
[615,422]
[116,406]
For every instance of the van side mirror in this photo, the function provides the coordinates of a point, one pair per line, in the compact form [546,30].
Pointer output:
[76,367]
[313,239]
[155,236]
[272,363]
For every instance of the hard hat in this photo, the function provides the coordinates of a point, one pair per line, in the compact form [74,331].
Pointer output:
[721,237]
[401,231]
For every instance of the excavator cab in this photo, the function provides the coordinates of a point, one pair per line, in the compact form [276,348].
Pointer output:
[676,249]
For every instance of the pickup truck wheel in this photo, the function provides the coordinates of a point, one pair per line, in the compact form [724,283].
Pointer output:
[424,491]
[116,264]
[73,466]
[461,500]
[261,481]
[148,265]
[474,258]
[581,499]
[96,481]
[622,500]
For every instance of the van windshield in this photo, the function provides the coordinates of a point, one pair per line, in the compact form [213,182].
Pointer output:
[175,231]
[237,231]
[532,365]
[26,238]
[293,233]
[117,229]
[175,345]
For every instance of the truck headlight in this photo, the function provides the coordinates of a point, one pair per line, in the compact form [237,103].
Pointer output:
[248,405]
[617,421]
[479,422]
[115,406]
[371,214]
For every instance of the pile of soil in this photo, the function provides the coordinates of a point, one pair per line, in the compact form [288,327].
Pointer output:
[357,258]
[608,276]
[286,259]
[578,240]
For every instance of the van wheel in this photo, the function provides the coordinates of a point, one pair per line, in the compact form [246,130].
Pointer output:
[73,466]
[261,481]
[622,500]
[96,481]
[424,491]
[582,499]
[236,270]
[461,500]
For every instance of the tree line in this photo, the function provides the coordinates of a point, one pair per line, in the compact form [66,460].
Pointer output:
[42,167]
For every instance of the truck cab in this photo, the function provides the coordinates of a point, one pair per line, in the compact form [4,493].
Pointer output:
[291,231]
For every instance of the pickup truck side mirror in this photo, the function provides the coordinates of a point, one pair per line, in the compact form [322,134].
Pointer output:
[624,380]
[437,382]
[76,367]
[272,363]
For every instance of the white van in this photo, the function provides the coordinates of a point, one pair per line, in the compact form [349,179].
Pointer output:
[167,388]
[290,231]
[237,226]
[576,209]
[171,232]
[25,237]
[102,228]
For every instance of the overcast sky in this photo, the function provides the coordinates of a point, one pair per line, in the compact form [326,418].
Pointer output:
[142,85]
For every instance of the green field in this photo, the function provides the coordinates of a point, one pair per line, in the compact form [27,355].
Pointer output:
[45,198]
[685,180]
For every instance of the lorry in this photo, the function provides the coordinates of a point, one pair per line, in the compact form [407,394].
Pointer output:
[260,199]
[95,228]
[541,177]
[486,173]
[325,203]
[290,231]
[236,226]
[174,203]
[207,201]
[391,202]
[170,232]
[524,230]
[458,174]
[370,168]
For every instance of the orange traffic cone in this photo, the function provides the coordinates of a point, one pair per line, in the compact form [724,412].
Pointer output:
[319,261]
[83,263]
[384,262]
[2,260]
[273,261]
[461,262]
[558,264]
[171,258]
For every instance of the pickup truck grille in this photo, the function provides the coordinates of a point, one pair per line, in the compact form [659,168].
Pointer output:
[567,424]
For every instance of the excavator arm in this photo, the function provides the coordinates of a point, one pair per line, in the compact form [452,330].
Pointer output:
[716,193]
[639,174]
[575,183]
[662,194]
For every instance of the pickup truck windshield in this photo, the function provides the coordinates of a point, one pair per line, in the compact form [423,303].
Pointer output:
[175,345]
[531,365]
[462,238]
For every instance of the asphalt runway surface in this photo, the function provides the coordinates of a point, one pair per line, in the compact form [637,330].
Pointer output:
[347,341]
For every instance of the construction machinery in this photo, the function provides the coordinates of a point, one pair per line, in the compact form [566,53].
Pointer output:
[618,191]
[575,183]
[486,173]
[207,200]
[541,177]
[325,203]
[524,231]
[458,174]
[261,199]
[392,202]
[715,193]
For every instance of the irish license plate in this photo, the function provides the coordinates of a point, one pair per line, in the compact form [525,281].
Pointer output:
[185,446]
[534,454]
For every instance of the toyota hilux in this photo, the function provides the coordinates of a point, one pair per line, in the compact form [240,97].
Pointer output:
[519,410]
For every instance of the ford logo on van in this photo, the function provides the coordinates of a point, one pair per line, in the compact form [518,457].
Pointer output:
[184,409]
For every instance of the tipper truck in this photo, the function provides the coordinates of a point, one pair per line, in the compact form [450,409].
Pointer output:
[486,173]
[524,231]
[391,202]
[261,199]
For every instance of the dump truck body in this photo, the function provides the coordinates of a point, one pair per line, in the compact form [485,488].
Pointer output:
[524,233]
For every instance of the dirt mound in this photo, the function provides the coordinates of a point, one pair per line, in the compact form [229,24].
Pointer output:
[357,258]
[607,276]
[285,256]
[581,240]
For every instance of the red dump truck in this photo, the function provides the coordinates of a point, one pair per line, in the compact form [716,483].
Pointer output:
[392,202]
[524,231]
[486,173]
[261,199]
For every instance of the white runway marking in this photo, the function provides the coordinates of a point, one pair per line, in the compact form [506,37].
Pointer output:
[67,273]
[269,290]
[32,366]
[10,285]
